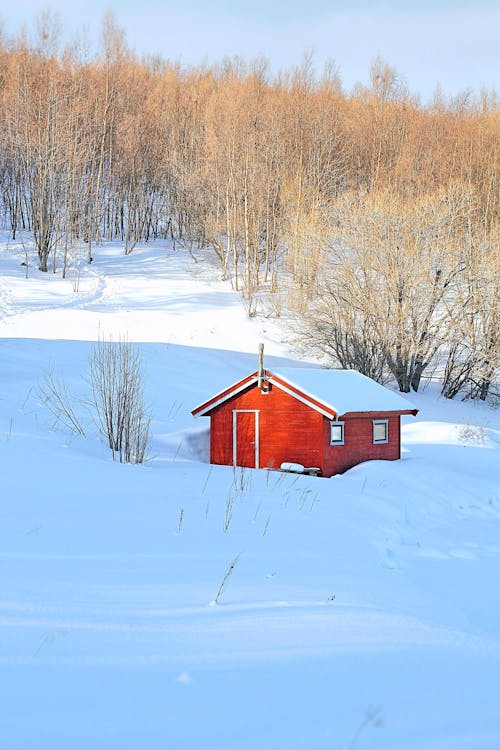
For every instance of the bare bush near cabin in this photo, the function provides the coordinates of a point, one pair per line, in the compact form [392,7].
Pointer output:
[118,401]
[54,395]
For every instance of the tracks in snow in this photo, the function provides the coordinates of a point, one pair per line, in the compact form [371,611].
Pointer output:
[13,303]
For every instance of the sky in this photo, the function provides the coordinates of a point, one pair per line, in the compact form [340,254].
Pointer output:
[453,42]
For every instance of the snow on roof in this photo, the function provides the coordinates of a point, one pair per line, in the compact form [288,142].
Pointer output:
[343,390]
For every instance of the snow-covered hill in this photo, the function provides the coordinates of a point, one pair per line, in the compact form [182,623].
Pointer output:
[363,611]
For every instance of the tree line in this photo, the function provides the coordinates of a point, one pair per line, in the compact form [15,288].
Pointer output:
[369,219]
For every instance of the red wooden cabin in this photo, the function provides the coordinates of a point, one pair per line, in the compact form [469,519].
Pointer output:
[325,421]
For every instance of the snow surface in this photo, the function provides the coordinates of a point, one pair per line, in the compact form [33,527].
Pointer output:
[344,391]
[362,611]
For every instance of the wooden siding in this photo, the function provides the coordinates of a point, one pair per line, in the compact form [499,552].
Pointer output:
[288,429]
[358,442]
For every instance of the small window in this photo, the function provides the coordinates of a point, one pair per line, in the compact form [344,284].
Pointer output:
[380,431]
[336,433]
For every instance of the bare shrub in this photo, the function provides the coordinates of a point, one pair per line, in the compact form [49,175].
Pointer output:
[54,395]
[117,399]
[472,434]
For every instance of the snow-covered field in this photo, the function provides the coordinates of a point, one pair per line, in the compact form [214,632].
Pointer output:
[363,611]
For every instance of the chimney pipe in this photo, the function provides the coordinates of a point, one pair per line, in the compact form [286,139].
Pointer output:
[261,366]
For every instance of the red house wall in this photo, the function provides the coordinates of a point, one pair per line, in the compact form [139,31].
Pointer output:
[358,442]
[288,429]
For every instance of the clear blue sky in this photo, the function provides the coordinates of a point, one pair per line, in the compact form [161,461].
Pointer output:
[455,42]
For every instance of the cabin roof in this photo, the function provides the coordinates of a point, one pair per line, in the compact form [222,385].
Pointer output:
[331,392]
[344,391]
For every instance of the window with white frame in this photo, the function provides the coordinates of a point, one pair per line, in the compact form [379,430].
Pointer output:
[380,430]
[336,433]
